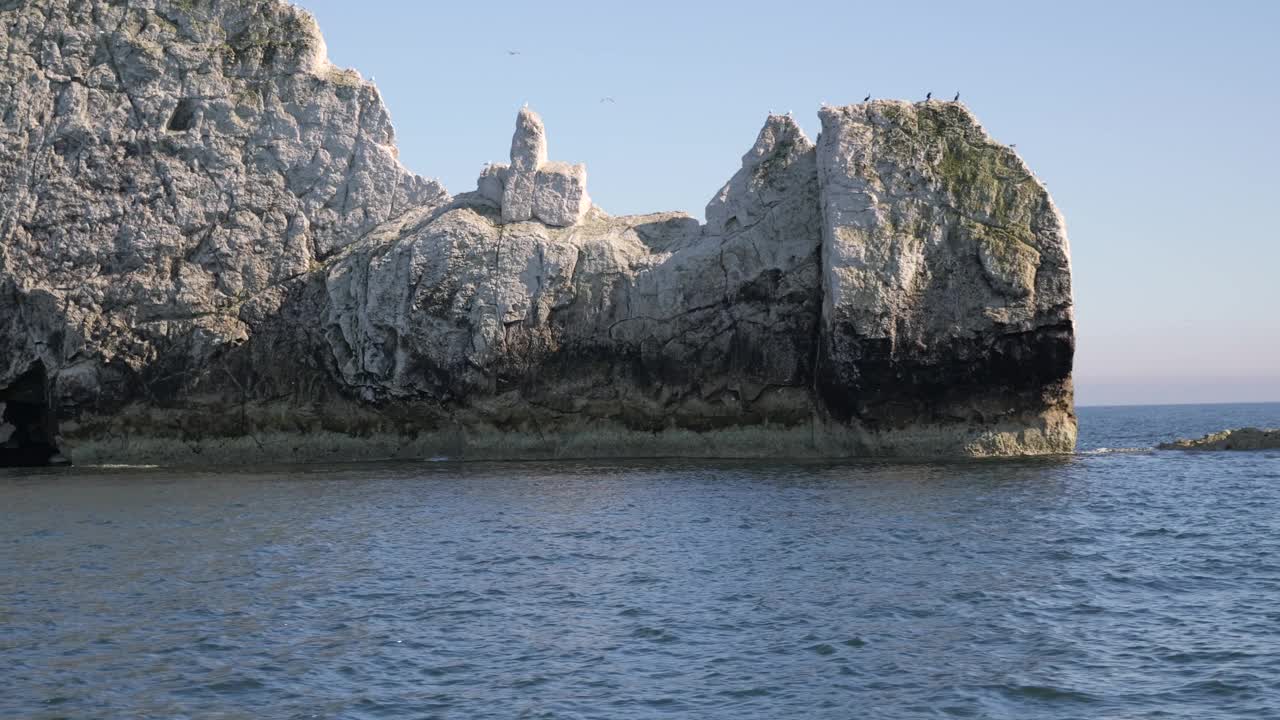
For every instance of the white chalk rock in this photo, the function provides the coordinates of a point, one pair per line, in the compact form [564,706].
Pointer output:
[560,194]
[530,188]
[517,196]
[492,182]
[529,144]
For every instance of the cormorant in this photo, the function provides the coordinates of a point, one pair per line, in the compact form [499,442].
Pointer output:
[956,98]
[928,97]
[867,98]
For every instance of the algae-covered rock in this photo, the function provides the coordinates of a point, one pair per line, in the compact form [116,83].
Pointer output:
[947,286]
[1249,438]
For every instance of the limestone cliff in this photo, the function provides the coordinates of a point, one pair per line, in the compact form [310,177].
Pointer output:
[209,250]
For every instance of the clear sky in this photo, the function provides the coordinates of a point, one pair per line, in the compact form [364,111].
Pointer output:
[1154,125]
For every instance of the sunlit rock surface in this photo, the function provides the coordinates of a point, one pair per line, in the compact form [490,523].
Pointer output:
[531,188]
[208,250]
[947,303]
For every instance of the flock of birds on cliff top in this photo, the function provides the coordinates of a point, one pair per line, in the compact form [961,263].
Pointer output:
[609,99]
[928,97]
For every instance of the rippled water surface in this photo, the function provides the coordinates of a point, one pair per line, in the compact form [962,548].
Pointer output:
[1109,584]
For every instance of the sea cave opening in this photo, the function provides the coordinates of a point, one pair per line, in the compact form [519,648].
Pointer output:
[28,427]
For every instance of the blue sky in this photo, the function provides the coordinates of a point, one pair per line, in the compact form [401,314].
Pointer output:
[1153,124]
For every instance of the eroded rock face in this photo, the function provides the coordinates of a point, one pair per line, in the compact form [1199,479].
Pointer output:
[208,244]
[162,166]
[636,324]
[947,283]
[531,188]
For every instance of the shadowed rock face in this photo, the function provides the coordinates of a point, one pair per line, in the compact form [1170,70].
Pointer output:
[207,242]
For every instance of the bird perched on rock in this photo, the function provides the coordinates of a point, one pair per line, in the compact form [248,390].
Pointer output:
[956,98]
[928,96]
[867,98]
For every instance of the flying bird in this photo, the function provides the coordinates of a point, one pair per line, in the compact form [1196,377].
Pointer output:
[513,52]
[608,100]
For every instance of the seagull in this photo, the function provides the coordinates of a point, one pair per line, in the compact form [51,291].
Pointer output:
[956,98]
[928,97]
[608,100]
[867,98]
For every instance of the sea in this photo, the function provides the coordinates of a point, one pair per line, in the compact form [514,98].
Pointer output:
[1120,582]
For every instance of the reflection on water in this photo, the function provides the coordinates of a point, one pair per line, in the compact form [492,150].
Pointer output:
[1105,585]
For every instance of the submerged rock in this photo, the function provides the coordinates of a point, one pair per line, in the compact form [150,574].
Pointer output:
[1249,438]
[209,249]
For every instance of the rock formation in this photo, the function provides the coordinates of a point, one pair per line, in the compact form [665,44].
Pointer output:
[530,188]
[1249,438]
[208,250]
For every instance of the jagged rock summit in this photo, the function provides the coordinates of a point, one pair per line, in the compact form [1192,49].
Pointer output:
[210,253]
[531,188]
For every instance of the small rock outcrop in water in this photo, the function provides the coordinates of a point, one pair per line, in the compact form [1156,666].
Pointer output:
[1239,439]
[209,250]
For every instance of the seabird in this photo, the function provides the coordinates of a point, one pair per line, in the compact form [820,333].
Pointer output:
[956,98]
[867,98]
[608,100]
[513,52]
[928,97]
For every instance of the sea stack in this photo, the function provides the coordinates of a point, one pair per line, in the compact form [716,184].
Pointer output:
[530,188]
[209,252]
